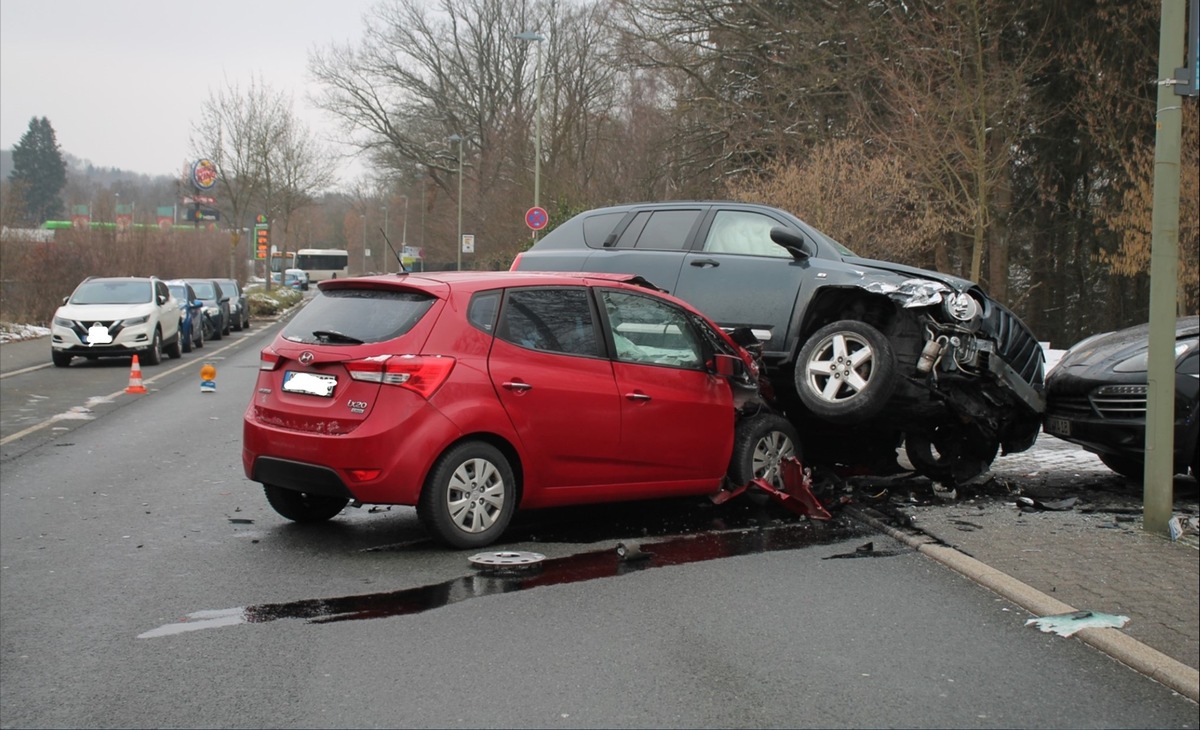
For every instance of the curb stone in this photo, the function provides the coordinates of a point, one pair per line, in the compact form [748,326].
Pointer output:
[1132,653]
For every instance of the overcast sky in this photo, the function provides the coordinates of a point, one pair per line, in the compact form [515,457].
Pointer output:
[122,81]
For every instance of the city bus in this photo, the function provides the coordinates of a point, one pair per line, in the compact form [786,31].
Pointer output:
[323,263]
[281,260]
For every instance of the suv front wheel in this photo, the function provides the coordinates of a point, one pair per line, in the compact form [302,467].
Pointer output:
[846,372]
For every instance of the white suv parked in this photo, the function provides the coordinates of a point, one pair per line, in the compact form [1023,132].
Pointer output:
[116,317]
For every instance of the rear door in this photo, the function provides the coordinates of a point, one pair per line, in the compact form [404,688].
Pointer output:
[550,371]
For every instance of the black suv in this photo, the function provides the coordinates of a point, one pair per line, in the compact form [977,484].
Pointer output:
[863,354]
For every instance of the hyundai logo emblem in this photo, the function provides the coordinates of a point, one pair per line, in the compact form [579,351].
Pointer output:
[307,357]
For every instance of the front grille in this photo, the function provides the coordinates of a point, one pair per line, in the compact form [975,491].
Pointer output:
[1072,406]
[1015,343]
[1120,402]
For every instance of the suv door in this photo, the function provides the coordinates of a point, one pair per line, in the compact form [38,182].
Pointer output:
[739,277]
[168,312]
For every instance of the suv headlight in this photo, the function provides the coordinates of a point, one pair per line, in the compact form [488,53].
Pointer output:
[136,320]
[961,306]
[63,322]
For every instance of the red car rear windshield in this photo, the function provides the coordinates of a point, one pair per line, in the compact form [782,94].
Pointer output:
[352,316]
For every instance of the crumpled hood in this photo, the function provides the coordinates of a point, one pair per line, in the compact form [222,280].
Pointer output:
[910,272]
[103,312]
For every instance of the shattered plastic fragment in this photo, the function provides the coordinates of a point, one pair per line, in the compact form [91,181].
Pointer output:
[797,493]
[1065,624]
[912,293]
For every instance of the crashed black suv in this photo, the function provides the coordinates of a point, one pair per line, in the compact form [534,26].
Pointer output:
[864,355]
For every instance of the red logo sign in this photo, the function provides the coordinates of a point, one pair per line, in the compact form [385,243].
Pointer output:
[204,174]
[536,218]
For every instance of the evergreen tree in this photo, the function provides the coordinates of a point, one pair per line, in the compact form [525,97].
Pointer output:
[39,171]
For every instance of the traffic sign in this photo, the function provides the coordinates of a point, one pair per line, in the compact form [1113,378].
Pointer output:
[468,243]
[536,218]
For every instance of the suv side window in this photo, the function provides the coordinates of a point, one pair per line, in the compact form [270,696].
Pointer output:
[552,320]
[737,231]
[651,332]
[660,229]
[161,291]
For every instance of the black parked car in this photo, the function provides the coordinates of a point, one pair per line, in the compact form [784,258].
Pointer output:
[864,354]
[1096,397]
[239,308]
[217,317]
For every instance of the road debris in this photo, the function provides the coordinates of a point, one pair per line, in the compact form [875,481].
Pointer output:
[1065,624]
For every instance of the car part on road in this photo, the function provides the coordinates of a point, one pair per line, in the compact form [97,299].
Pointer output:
[1066,624]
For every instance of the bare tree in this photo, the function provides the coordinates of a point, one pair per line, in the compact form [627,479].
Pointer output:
[298,168]
[237,131]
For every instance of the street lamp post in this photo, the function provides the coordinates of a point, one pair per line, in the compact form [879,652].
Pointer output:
[534,37]
[364,227]
[404,230]
[458,244]
[387,244]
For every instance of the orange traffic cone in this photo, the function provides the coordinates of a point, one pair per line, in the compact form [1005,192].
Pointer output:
[135,378]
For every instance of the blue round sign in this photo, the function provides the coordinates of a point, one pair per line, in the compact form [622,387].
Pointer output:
[536,218]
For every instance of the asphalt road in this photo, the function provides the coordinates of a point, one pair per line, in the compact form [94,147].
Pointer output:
[144,582]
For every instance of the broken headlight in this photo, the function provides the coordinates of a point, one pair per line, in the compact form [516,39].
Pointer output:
[963,308]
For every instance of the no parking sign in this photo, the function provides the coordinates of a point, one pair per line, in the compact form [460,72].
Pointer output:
[536,218]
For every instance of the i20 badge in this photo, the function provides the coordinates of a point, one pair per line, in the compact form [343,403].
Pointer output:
[357,406]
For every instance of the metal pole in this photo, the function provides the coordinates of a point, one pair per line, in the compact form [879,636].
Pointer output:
[364,255]
[458,244]
[1158,479]
[537,134]
[385,239]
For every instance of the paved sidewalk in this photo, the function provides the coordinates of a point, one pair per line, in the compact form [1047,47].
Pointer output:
[1093,557]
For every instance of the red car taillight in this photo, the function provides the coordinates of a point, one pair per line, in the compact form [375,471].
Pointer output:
[422,374]
[268,359]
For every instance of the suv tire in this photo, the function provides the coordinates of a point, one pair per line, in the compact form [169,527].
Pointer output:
[60,359]
[846,372]
[153,354]
[1127,466]
[303,507]
[469,496]
[948,454]
[175,349]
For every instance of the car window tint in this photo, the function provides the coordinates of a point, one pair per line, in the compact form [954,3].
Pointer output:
[113,292]
[597,228]
[555,320]
[367,315]
[650,331]
[629,237]
[736,231]
[481,312]
[667,229]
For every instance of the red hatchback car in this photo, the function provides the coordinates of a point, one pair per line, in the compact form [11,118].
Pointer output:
[469,394]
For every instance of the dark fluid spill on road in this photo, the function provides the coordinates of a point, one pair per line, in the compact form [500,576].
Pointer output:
[556,571]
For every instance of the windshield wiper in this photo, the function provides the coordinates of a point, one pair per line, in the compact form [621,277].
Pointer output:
[335,336]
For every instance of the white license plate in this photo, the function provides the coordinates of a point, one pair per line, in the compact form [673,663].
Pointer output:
[98,335]
[1058,426]
[309,383]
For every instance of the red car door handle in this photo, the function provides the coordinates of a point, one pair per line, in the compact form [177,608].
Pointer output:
[637,396]
[517,386]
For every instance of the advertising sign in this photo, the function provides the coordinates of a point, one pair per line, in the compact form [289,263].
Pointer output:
[204,174]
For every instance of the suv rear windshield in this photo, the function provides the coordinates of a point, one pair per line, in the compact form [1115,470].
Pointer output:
[113,292]
[350,316]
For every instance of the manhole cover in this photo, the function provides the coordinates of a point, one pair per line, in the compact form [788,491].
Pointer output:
[506,560]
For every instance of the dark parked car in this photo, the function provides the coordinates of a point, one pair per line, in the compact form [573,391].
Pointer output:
[191,314]
[471,394]
[216,307]
[239,309]
[862,353]
[1096,397]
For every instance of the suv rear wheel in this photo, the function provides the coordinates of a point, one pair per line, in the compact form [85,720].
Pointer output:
[469,496]
[302,506]
[846,372]
[175,349]
[948,454]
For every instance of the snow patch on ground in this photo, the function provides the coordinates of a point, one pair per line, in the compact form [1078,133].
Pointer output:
[17,332]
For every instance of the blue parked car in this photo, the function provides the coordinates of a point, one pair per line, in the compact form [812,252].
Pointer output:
[191,314]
